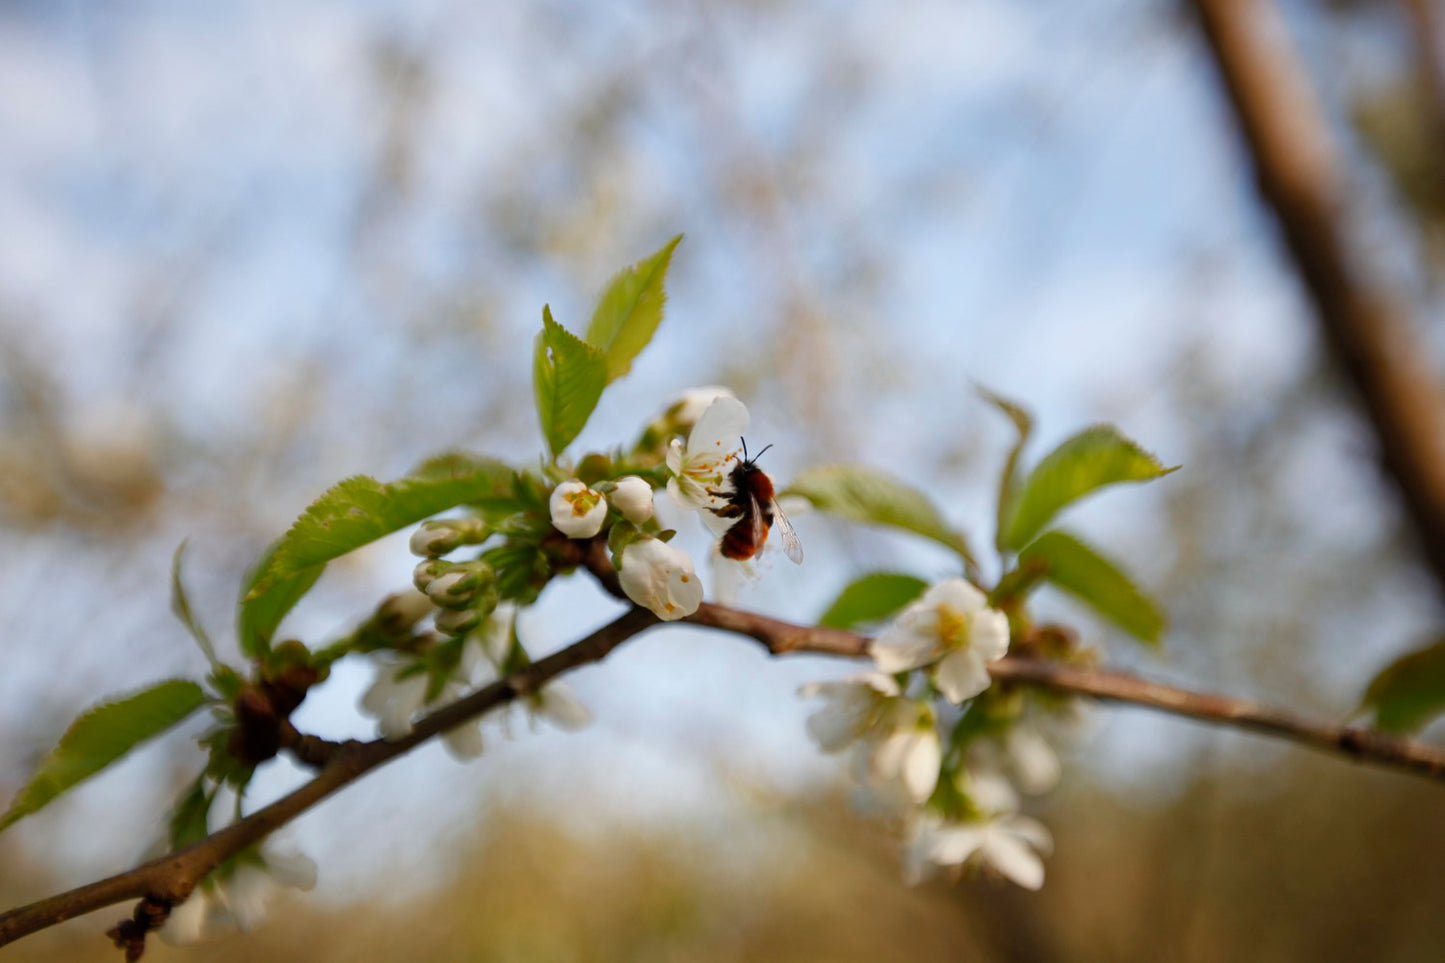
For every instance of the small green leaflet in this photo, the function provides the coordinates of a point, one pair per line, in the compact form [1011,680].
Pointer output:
[1009,482]
[568,376]
[630,310]
[259,615]
[1093,458]
[360,510]
[868,495]
[181,607]
[101,736]
[1410,692]
[1077,568]
[872,598]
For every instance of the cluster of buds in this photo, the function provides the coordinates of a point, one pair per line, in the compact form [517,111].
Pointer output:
[464,593]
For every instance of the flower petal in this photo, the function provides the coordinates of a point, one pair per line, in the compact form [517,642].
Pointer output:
[1013,858]
[989,637]
[961,675]
[718,428]
[897,650]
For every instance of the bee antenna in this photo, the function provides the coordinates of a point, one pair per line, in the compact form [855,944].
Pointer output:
[745,448]
[761,453]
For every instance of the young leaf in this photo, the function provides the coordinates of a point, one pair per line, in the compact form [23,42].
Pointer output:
[1076,568]
[181,606]
[568,376]
[869,495]
[1409,692]
[872,598]
[630,310]
[258,616]
[360,510]
[190,819]
[1008,485]
[1093,458]
[101,736]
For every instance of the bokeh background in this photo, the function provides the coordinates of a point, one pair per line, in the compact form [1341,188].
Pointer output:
[249,248]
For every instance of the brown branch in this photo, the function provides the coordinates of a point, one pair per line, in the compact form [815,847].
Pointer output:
[1365,326]
[170,879]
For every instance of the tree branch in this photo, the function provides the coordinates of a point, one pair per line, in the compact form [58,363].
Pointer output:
[1365,326]
[170,879]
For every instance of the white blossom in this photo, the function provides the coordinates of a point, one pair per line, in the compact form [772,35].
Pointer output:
[240,899]
[700,468]
[633,498]
[852,708]
[393,698]
[577,511]
[556,703]
[661,578]
[1010,844]
[904,762]
[950,628]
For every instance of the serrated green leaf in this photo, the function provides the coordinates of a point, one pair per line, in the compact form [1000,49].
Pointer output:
[568,376]
[869,495]
[1093,458]
[1078,569]
[360,510]
[181,607]
[630,310]
[1009,482]
[1409,692]
[101,736]
[872,598]
[258,616]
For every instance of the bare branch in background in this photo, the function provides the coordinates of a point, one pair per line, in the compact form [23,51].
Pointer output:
[1366,326]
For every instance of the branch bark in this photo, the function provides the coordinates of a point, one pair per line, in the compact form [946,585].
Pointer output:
[170,879]
[1366,327]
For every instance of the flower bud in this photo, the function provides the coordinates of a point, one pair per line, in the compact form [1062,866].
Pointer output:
[577,511]
[441,536]
[399,612]
[458,621]
[633,498]
[427,570]
[661,578]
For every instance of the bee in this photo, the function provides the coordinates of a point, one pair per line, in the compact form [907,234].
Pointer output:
[752,504]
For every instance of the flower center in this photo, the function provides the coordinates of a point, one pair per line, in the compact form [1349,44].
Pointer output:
[953,627]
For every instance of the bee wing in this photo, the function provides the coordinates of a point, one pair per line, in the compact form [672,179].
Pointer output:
[792,547]
[759,524]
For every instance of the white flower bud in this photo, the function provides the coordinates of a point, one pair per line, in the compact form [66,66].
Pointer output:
[633,498]
[577,511]
[661,578]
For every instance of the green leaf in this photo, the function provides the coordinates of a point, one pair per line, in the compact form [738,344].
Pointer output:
[1409,692]
[568,376]
[181,606]
[1077,568]
[258,616]
[360,510]
[190,819]
[100,737]
[1093,458]
[869,495]
[630,310]
[1009,482]
[872,598]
